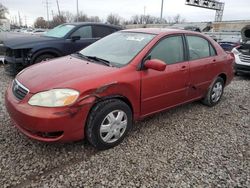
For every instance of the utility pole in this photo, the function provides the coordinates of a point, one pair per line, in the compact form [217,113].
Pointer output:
[77,11]
[25,19]
[20,19]
[52,13]
[47,3]
[47,7]
[144,14]
[58,8]
[162,2]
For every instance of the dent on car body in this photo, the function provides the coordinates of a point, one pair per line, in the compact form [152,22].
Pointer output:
[88,99]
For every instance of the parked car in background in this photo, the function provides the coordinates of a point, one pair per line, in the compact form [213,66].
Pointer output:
[229,43]
[39,32]
[242,53]
[98,92]
[63,40]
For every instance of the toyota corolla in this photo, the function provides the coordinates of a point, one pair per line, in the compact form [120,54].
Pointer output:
[97,93]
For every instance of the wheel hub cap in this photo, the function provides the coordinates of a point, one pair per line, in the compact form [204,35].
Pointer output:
[113,126]
[217,92]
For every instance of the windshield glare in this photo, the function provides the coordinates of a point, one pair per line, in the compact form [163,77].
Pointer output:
[118,48]
[59,31]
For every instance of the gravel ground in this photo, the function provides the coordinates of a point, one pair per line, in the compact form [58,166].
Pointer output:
[189,146]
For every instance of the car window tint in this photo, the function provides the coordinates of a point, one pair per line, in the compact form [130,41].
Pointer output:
[102,31]
[170,50]
[198,47]
[83,32]
[212,51]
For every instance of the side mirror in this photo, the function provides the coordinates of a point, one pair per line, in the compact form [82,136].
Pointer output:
[155,64]
[75,38]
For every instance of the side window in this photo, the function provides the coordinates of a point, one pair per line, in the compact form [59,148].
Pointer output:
[170,50]
[83,32]
[198,47]
[102,31]
[212,50]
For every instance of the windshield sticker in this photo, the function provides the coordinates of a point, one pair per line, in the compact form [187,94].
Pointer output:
[135,38]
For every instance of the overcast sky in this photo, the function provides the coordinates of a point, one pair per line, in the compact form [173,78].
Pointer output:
[234,9]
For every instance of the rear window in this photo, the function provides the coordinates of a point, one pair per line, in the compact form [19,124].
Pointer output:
[198,47]
[102,31]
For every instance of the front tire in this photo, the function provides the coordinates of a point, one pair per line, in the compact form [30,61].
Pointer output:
[43,57]
[214,93]
[108,123]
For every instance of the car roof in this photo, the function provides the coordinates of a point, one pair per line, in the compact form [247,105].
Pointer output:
[158,31]
[91,23]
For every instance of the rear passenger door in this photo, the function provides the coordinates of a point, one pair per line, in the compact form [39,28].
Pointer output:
[202,58]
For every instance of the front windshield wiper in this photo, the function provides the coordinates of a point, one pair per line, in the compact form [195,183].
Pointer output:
[104,61]
[78,54]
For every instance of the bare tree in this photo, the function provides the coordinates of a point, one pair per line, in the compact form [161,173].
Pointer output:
[40,23]
[69,16]
[3,11]
[57,20]
[114,19]
[82,17]
[94,19]
[178,19]
[137,19]
[146,19]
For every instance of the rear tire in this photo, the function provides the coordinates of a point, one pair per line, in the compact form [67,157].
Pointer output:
[43,57]
[108,123]
[214,93]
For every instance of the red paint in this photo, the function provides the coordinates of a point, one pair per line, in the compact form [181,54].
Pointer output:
[148,91]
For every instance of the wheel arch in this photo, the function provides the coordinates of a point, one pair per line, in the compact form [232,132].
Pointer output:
[102,99]
[224,77]
[118,97]
[50,51]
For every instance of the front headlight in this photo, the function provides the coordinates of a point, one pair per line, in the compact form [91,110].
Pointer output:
[54,98]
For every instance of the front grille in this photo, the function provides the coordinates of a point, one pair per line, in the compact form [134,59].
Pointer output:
[244,58]
[19,90]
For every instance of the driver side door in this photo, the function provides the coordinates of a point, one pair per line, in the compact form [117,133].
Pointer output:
[164,89]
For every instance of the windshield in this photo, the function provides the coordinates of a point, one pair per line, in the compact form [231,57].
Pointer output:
[59,31]
[118,48]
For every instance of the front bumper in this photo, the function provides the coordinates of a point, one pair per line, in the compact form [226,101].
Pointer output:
[242,66]
[13,60]
[46,124]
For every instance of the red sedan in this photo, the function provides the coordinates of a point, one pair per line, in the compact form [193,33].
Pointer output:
[98,92]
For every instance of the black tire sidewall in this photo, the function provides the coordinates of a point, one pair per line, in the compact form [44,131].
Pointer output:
[93,126]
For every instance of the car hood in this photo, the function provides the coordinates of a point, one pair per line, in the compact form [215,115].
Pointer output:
[65,72]
[20,40]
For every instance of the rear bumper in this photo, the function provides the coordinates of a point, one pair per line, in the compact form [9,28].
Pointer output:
[46,124]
